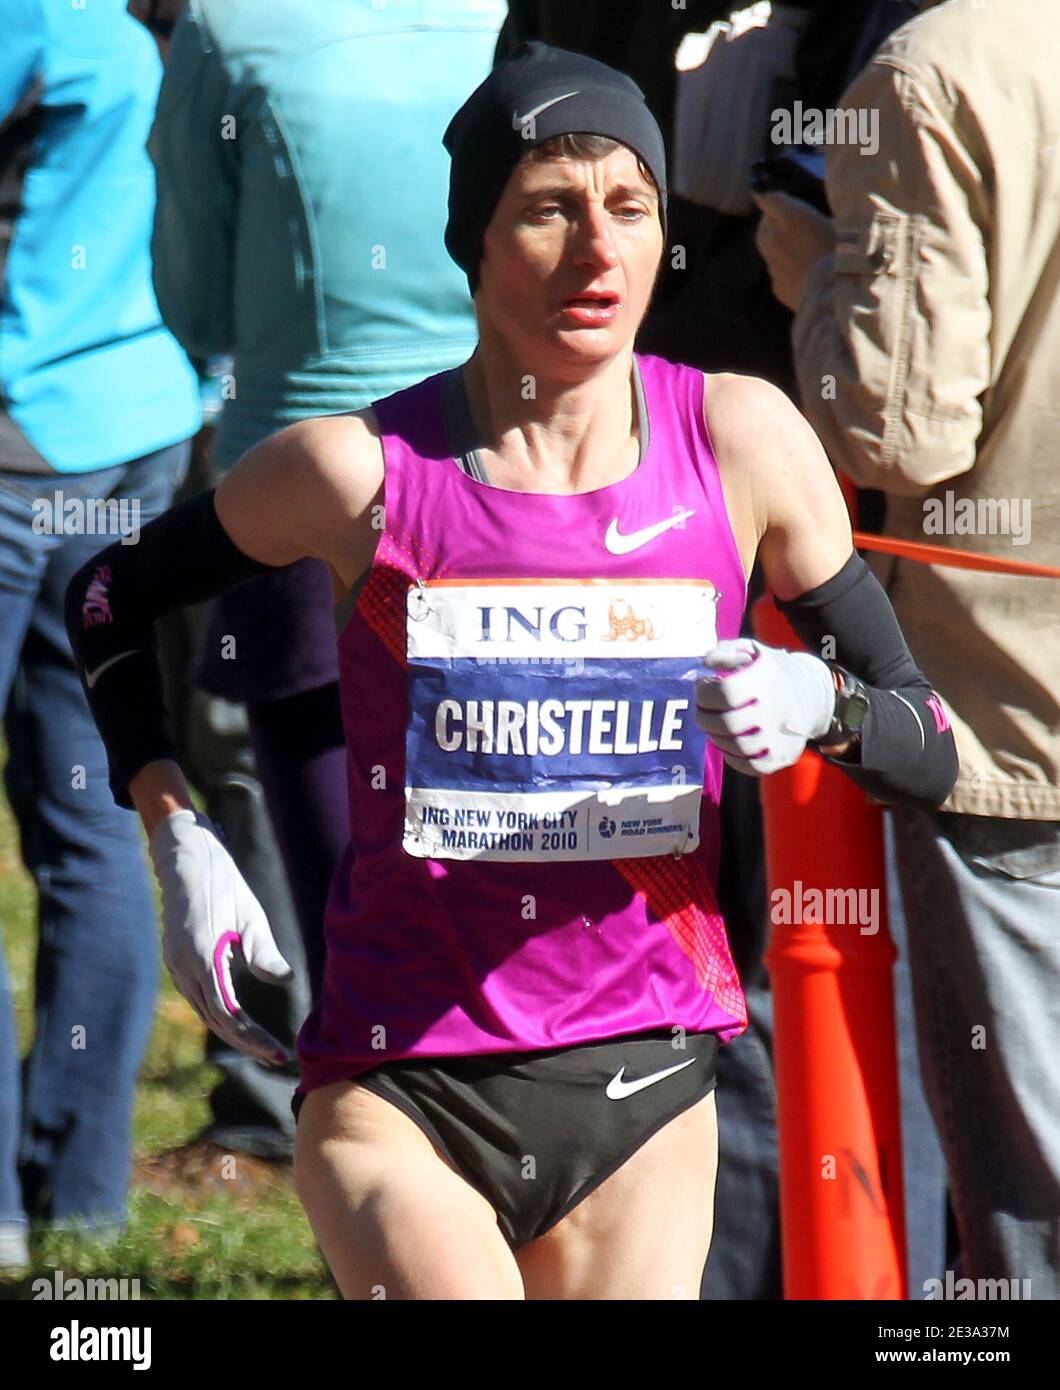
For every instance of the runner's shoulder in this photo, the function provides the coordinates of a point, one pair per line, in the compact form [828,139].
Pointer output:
[759,433]
[338,459]
[307,490]
[740,409]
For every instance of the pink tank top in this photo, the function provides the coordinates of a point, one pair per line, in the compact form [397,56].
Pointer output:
[534,811]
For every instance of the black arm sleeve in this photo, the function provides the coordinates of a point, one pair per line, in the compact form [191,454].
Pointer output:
[112,602]
[907,750]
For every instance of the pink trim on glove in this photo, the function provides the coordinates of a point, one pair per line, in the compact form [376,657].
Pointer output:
[218,960]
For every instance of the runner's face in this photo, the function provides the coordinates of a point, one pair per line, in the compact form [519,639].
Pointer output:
[570,257]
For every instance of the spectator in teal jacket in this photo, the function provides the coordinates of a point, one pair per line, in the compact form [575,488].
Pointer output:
[302,190]
[299,188]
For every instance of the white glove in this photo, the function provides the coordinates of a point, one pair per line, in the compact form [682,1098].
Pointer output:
[764,704]
[207,909]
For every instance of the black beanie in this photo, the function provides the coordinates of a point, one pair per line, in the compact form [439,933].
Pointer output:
[534,94]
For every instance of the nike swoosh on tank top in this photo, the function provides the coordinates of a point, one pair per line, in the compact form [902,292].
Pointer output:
[534,812]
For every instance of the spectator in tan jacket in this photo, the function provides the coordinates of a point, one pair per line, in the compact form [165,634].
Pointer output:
[927,343]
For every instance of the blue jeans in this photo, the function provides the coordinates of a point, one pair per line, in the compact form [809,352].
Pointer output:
[66,1118]
[923,1164]
[982,900]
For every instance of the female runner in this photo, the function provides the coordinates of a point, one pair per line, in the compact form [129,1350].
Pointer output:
[539,562]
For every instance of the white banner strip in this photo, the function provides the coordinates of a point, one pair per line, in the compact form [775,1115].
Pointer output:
[561,621]
[518,826]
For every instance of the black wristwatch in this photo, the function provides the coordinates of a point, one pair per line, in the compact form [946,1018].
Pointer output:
[851,710]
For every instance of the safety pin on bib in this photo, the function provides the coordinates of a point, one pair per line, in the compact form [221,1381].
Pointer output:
[682,850]
[424,601]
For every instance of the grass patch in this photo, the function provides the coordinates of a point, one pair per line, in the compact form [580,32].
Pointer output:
[215,1249]
[211,1246]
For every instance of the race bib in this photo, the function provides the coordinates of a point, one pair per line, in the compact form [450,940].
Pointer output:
[554,719]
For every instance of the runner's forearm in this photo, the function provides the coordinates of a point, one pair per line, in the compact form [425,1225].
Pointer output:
[112,604]
[906,753]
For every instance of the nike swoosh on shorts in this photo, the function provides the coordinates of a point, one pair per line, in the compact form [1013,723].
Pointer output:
[618,544]
[519,121]
[617,1089]
[92,676]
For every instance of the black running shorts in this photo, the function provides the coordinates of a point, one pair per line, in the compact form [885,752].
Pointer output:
[535,1132]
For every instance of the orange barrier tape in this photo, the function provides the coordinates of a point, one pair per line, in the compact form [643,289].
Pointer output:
[955,559]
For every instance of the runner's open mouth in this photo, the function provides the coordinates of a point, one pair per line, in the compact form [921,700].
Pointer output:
[591,301]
